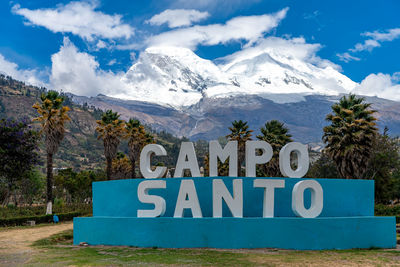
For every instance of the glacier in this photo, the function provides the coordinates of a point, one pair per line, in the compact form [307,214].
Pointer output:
[176,77]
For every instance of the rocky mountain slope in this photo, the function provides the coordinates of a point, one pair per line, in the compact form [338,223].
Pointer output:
[173,89]
[211,117]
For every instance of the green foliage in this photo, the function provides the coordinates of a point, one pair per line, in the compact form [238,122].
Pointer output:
[384,168]
[109,117]
[387,210]
[324,167]
[39,218]
[78,185]
[32,186]
[350,135]
[239,131]
[277,135]
[18,145]
[11,211]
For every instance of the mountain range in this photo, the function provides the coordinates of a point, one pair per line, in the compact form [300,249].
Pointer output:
[173,89]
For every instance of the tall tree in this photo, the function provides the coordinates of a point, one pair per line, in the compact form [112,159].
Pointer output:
[111,129]
[138,138]
[277,135]
[240,132]
[384,166]
[121,167]
[350,135]
[52,116]
[18,153]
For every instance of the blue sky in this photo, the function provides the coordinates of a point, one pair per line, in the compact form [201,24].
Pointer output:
[360,37]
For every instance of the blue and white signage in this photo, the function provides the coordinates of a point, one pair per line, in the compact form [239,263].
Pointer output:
[234,212]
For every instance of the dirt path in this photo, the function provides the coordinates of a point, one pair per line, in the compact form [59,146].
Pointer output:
[15,243]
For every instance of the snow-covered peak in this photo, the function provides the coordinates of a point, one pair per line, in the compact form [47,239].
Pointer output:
[177,77]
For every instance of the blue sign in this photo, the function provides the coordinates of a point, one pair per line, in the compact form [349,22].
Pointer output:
[248,218]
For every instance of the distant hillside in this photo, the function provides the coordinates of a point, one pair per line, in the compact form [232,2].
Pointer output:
[211,118]
[80,148]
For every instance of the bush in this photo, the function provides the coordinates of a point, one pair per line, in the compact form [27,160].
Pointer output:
[40,218]
[15,212]
[388,210]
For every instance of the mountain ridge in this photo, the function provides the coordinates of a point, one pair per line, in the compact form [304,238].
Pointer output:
[178,78]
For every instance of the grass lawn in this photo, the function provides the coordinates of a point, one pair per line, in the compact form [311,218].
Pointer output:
[58,250]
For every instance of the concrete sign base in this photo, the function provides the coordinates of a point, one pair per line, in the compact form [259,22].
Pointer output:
[346,220]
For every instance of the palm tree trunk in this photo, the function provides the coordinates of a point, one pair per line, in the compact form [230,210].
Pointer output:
[241,157]
[133,167]
[109,168]
[49,195]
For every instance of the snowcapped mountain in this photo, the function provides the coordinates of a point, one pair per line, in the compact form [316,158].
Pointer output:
[178,78]
[173,89]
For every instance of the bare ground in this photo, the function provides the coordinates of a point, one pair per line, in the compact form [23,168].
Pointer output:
[15,244]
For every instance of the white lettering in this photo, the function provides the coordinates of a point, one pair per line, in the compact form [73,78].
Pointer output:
[235,203]
[144,197]
[317,199]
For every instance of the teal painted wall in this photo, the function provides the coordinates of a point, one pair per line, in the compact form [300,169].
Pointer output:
[286,233]
[342,198]
[346,220]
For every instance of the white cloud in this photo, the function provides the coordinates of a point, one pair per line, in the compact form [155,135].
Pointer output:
[79,18]
[79,73]
[101,44]
[374,40]
[346,57]
[248,28]
[132,56]
[112,62]
[380,85]
[367,45]
[32,76]
[388,35]
[396,77]
[178,17]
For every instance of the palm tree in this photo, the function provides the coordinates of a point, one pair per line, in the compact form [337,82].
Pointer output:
[277,135]
[223,167]
[52,116]
[121,167]
[240,132]
[138,138]
[111,129]
[349,137]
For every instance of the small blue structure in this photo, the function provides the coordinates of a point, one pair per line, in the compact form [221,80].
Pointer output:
[346,221]
[55,218]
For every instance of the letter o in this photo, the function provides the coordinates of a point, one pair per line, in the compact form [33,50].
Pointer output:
[303,160]
[317,199]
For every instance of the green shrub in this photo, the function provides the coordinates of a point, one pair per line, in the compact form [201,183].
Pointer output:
[14,212]
[40,218]
[387,210]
